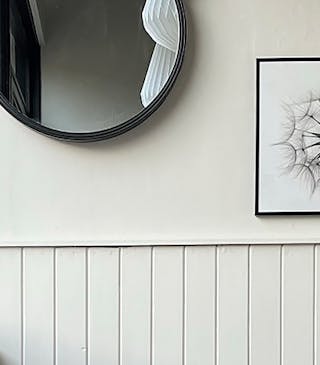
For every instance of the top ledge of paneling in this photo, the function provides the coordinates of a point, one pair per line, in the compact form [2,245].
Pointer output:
[156,243]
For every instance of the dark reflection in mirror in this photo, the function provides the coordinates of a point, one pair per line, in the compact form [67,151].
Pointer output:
[86,65]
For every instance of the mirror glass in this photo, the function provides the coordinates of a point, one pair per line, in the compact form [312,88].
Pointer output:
[82,66]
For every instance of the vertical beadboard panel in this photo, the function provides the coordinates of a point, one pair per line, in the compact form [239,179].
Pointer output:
[265,301]
[103,306]
[10,307]
[168,289]
[163,305]
[71,311]
[297,305]
[135,306]
[232,302]
[38,302]
[200,287]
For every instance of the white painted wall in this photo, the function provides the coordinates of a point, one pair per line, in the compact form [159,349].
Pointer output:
[187,175]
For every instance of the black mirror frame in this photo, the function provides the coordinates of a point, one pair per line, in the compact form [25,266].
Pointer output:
[125,126]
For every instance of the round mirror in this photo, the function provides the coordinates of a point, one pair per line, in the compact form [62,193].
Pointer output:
[88,70]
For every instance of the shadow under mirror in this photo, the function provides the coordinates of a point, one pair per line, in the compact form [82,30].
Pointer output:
[79,69]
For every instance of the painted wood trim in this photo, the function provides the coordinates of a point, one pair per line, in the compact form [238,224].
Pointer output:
[155,243]
[251,305]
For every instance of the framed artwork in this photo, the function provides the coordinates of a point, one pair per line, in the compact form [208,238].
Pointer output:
[288,136]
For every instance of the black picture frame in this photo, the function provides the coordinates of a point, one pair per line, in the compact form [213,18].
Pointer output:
[257,209]
[124,127]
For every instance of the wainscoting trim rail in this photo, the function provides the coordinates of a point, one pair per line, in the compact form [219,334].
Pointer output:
[156,243]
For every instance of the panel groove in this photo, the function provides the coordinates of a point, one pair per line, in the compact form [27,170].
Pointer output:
[316,303]
[216,306]
[152,308]
[55,306]
[249,305]
[314,306]
[151,305]
[184,303]
[22,305]
[86,349]
[217,320]
[120,308]
[281,303]
[88,306]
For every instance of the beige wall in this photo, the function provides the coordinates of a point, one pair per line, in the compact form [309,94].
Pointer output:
[185,175]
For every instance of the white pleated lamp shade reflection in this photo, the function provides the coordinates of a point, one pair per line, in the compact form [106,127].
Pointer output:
[161,21]
[160,68]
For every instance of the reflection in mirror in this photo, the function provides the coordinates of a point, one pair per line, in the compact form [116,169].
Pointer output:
[86,65]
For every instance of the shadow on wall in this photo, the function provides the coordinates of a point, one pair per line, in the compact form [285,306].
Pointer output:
[176,96]
[5,360]
[2,361]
